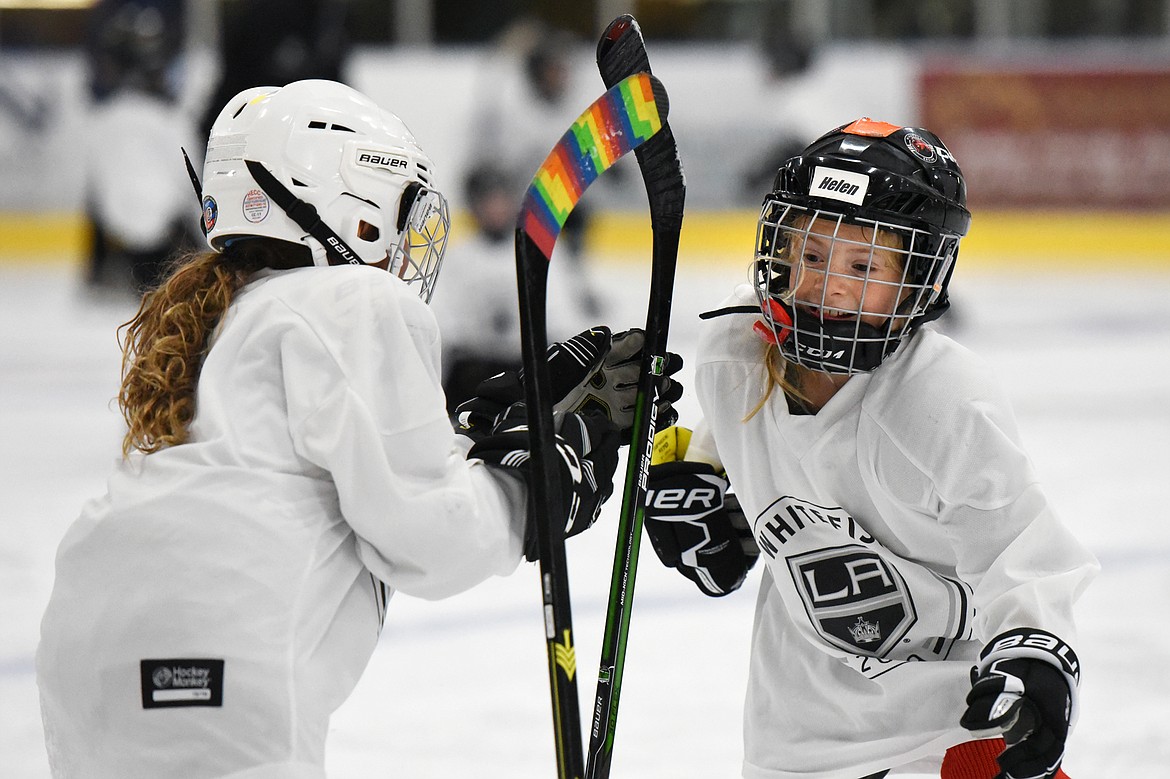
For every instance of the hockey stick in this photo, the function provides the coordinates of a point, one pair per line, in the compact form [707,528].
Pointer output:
[622,119]
[622,51]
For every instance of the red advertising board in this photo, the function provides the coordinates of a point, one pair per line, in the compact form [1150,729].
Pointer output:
[1031,137]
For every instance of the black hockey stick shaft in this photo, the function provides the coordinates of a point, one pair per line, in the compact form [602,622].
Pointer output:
[629,113]
[622,51]
[532,277]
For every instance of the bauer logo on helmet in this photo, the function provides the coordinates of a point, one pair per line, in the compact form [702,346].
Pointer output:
[375,159]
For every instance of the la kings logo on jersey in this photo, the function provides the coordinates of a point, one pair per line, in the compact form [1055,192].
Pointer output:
[859,596]
[855,599]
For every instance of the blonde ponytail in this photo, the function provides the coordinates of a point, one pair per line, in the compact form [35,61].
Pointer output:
[782,374]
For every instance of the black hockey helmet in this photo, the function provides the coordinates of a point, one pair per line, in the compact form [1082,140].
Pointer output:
[910,174]
[902,184]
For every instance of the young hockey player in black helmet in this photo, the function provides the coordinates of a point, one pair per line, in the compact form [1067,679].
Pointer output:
[290,462]
[916,604]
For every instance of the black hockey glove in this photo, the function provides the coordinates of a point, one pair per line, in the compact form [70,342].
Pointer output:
[592,371]
[694,523]
[612,389]
[1025,687]
[587,447]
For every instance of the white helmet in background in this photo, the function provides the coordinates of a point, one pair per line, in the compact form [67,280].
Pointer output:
[318,163]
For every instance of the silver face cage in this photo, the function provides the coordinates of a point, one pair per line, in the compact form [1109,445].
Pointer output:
[894,275]
[417,258]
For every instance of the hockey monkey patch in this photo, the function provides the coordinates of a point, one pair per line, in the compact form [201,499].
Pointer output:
[174,682]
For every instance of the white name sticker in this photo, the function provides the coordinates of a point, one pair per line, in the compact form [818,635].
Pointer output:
[838,185]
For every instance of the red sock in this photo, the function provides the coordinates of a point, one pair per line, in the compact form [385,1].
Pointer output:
[976,760]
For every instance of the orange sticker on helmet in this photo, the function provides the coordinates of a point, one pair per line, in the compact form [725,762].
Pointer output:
[871,127]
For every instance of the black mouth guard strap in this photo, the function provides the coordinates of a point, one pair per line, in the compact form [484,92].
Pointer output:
[304,215]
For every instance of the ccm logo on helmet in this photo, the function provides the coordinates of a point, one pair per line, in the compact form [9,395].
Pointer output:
[838,185]
[374,159]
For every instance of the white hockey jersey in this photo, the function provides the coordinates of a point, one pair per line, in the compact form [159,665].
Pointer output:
[221,600]
[901,527]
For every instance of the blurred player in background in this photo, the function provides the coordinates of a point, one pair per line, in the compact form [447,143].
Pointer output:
[916,602]
[478,306]
[289,461]
[277,42]
[137,197]
[531,92]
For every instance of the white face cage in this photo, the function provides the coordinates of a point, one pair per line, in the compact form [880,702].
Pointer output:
[417,258]
[838,295]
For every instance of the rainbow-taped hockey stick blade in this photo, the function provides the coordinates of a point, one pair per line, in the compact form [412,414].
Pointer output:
[619,121]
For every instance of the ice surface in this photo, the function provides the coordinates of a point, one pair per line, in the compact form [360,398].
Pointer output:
[459,687]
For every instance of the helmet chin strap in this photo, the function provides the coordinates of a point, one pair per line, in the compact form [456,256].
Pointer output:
[336,250]
[843,347]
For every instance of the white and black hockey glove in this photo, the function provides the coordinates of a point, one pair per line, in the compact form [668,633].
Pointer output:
[1025,688]
[594,371]
[587,448]
[694,523]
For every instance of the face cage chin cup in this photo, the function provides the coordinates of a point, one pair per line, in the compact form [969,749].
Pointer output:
[827,347]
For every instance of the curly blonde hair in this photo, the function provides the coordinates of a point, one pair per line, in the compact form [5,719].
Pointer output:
[164,345]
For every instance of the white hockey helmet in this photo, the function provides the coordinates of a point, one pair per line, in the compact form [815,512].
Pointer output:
[318,163]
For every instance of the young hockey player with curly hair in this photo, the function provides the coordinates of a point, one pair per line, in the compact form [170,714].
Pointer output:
[289,460]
